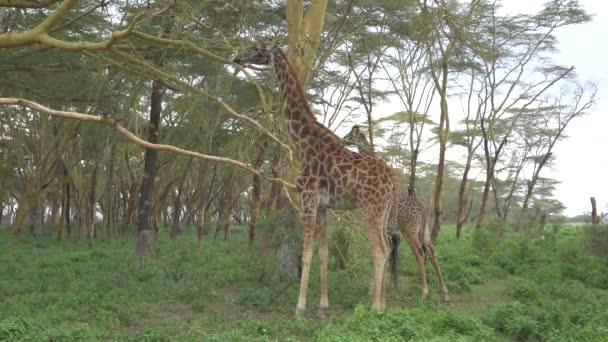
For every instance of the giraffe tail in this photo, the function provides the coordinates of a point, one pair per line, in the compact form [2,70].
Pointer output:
[394,258]
[424,235]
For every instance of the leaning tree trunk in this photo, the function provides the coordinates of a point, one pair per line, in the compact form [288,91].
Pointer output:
[142,248]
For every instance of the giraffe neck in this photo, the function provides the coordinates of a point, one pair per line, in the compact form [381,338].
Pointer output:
[301,122]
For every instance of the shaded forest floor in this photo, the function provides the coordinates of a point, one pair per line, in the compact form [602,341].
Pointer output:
[502,288]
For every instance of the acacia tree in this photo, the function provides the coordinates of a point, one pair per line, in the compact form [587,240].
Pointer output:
[548,126]
[445,25]
[413,86]
[509,50]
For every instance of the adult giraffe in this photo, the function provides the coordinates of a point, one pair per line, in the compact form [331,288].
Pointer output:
[331,177]
[410,217]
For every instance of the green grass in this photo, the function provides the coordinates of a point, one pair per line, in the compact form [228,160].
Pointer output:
[229,292]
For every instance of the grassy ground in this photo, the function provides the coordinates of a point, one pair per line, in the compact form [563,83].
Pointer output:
[506,289]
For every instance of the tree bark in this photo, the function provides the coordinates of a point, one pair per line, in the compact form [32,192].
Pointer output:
[462,198]
[177,208]
[226,205]
[142,248]
[256,204]
[484,197]
[595,219]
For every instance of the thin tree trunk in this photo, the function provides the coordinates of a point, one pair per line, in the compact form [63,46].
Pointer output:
[128,213]
[142,248]
[93,205]
[462,198]
[485,195]
[256,204]
[177,208]
[444,128]
[496,199]
[108,217]
[68,203]
[200,228]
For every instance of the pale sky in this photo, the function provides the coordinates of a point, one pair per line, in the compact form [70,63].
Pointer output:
[580,161]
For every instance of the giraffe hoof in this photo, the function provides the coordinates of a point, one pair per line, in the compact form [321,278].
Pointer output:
[300,312]
[446,298]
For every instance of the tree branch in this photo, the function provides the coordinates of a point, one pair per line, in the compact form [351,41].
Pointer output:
[26,3]
[135,139]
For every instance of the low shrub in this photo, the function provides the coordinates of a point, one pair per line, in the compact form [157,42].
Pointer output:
[427,323]
[551,311]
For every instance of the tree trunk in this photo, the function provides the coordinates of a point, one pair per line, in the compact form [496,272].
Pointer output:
[256,204]
[142,248]
[496,199]
[595,219]
[462,198]
[200,228]
[444,127]
[177,208]
[225,207]
[485,195]
[67,204]
[108,217]
[93,206]
[128,212]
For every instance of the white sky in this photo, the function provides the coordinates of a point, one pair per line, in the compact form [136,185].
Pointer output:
[580,161]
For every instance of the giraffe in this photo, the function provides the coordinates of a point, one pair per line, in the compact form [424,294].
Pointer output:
[330,177]
[410,216]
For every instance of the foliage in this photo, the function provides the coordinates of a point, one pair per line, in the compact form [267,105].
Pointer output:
[427,323]
[545,311]
[596,240]
[56,291]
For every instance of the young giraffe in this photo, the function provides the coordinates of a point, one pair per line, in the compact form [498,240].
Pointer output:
[331,177]
[410,218]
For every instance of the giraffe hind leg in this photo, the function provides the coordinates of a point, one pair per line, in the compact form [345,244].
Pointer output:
[433,257]
[419,254]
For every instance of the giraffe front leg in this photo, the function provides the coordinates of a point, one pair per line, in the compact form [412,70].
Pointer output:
[444,289]
[308,205]
[323,260]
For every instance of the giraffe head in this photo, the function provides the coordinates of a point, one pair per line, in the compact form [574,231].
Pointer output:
[356,137]
[260,54]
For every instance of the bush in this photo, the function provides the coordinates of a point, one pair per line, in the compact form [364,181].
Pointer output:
[596,240]
[367,324]
[549,311]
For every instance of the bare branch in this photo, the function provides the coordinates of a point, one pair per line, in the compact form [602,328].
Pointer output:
[132,137]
